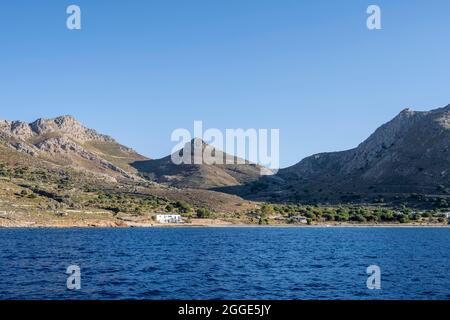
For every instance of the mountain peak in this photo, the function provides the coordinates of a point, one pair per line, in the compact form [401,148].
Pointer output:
[66,119]
[197,143]
[407,111]
[58,123]
[445,109]
[67,125]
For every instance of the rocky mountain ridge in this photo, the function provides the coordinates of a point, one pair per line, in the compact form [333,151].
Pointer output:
[65,141]
[63,125]
[407,155]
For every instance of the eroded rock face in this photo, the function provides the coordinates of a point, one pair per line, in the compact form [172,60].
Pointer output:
[67,125]
[383,139]
[15,129]
[64,125]
[21,130]
[25,148]
[64,138]
[59,145]
[66,147]
[5,125]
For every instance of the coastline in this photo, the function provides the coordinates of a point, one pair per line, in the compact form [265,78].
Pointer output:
[208,225]
[107,221]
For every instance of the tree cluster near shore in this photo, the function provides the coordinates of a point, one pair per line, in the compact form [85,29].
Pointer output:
[350,214]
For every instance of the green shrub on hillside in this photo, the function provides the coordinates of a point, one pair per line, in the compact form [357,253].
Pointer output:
[183,207]
[203,213]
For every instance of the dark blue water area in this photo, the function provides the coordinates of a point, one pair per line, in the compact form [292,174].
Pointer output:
[225,263]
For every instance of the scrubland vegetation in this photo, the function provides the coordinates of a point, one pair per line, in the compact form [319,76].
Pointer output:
[59,190]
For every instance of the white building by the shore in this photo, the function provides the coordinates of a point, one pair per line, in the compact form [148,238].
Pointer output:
[447,214]
[300,219]
[169,218]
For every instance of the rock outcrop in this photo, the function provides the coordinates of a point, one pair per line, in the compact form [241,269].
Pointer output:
[67,125]
[64,125]
[66,140]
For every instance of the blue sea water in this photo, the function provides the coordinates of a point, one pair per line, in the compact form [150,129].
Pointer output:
[225,263]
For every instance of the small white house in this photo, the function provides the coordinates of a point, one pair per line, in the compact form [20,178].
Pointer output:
[168,218]
[447,215]
[300,219]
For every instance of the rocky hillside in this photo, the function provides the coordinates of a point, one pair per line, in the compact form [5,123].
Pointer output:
[58,172]
[65,141]
[408,155]
[231,172]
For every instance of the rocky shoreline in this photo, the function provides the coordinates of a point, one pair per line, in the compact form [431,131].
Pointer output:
[200,223]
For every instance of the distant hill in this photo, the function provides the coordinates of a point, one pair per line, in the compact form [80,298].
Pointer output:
[409,154]
[232,172]
[65,141]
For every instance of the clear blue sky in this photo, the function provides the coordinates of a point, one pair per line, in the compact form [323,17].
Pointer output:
[140,69]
